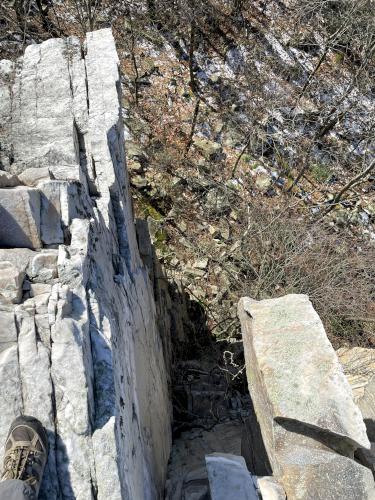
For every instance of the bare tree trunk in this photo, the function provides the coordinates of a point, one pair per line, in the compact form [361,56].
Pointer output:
[192,83]
[90,15]
[134,61]
[193,125]
[299,175]
[240,155]
[314,71]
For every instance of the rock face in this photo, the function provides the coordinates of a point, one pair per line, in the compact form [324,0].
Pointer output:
[309,422]
[80,344]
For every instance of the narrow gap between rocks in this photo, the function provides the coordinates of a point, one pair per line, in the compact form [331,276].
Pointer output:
[212,408]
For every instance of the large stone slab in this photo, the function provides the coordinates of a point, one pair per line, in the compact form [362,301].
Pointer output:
[73,394]
[310,473]
[8,180]
[304,379]
[19,257]
[32,176]
[39,108]
[44,266]
[50,218]
[109,486]
[309,422]
[37,390]
[20,218]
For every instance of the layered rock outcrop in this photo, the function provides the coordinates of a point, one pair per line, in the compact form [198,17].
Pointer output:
[82,348]
[310,424]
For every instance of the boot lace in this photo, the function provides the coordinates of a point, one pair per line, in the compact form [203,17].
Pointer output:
[20,464]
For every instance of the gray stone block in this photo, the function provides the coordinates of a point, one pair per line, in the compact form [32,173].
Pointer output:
[11,281]
[50,218]
[229,478]
[20,218]
[310,424]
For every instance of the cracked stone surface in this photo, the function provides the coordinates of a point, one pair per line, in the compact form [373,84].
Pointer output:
[82,351]
[310,424]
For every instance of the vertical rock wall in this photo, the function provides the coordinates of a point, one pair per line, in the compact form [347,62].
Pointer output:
[80,347]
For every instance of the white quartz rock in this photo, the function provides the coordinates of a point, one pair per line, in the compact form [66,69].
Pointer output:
[270,489]
[37,391]
[105,454]
[11,389]
[93,331]
[50,218]
[19,257]
[44,265]
[32,176]
[11,280]
[46,137]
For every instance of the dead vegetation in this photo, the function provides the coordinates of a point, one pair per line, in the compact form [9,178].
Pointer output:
[252,139]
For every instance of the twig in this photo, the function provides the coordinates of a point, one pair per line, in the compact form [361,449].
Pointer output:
[353,182]
[134,61]
[192,83]
[240,155]
[193,125]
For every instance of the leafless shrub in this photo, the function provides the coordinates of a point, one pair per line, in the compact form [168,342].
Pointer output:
[280,255]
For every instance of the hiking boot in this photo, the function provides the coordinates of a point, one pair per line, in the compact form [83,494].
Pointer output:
[26,451]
